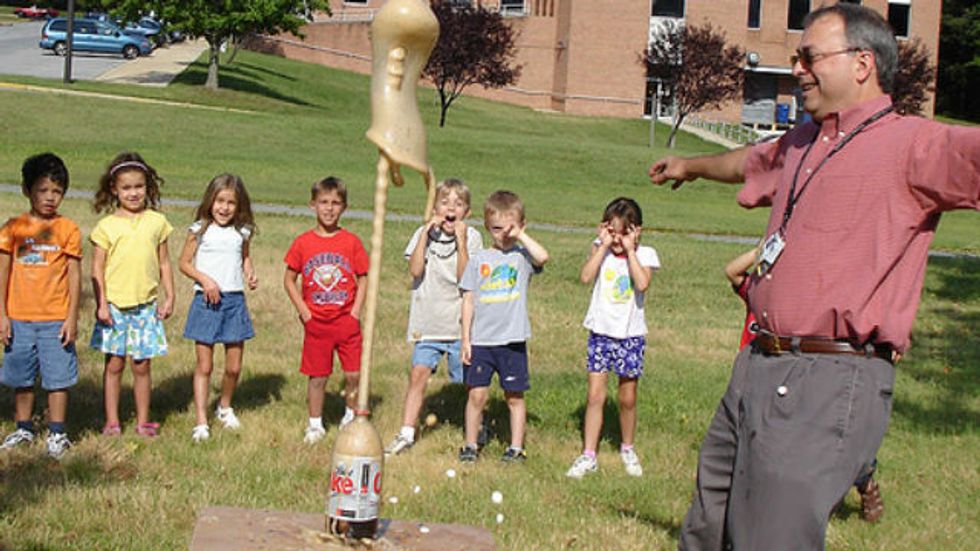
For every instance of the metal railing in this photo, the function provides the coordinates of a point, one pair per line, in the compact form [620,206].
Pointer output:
[737,133]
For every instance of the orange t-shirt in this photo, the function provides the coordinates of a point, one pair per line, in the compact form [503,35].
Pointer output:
[37,286]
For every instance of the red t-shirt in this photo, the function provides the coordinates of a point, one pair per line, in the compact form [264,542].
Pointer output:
[751,328]
[329,267]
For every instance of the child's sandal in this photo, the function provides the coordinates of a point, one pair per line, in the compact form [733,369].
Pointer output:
[111,430]
[148,430]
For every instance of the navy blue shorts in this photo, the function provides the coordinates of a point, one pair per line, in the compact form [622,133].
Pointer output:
[508,361]
[225,322]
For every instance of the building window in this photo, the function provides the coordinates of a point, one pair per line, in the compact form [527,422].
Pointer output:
[668,8]
[755,14]
[797,12]
[512,7]
[898,16]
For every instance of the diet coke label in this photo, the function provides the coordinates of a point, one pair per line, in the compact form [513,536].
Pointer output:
[355,488]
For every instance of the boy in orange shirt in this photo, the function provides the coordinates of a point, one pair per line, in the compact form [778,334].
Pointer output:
[40,284]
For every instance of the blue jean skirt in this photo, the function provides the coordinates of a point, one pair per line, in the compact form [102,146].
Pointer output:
[226,322]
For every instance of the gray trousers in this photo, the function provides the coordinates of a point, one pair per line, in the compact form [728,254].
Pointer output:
[785,445]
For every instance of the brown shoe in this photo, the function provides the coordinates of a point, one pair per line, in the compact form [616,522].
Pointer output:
[872,506]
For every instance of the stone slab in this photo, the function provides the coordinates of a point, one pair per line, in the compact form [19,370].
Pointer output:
[237,529]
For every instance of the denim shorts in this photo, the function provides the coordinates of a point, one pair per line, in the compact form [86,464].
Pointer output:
[225,322]
[624,357]
[35,347]
[136,332]
[428,353]
[508,361]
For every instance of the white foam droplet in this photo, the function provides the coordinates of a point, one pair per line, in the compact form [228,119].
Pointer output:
[424,529]
[497,497]
[393,500]
[451,473]
[500,518]
[416,489]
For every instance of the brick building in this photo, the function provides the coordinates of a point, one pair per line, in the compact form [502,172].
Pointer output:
[582,56]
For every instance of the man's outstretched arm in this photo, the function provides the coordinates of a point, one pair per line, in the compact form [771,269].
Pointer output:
[723,167]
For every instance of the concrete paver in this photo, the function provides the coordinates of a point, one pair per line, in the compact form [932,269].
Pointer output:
[159,68]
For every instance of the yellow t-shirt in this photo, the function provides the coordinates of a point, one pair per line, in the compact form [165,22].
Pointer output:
[132,270]
[37,286]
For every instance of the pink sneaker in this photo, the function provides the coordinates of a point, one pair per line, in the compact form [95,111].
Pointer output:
[148,430]
[111,430]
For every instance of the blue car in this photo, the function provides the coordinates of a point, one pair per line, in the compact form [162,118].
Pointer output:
[91,35]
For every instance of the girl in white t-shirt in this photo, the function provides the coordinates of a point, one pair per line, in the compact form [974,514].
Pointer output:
[216,257]
[620,270]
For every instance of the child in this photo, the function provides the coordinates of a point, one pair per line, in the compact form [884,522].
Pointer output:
[40,283]
[332,266]
[437,254]
[737,271]
[216,257]
[495,321]
[129,264]
[619,269]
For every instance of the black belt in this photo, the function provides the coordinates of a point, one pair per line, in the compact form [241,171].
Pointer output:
[778,344]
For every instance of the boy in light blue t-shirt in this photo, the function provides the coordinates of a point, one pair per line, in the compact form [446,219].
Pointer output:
[495,321]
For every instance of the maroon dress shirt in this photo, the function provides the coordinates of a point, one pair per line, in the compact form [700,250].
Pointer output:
[858,238]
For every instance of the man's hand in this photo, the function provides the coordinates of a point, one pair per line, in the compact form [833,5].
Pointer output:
[670,168]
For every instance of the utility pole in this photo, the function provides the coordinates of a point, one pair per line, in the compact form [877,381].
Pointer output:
[70,41]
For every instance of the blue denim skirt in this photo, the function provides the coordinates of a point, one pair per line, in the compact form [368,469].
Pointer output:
[227,321]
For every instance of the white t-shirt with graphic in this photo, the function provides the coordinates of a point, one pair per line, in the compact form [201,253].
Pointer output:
[434,313]
[219,255]
[616,309]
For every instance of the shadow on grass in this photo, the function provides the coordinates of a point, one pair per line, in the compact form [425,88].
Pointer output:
[946,355]
[669,526]
[449,406]
[238,78]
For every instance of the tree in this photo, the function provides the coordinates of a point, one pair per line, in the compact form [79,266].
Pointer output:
[475,46]
[222,20]
[959,59]
[914,78]
[696,62]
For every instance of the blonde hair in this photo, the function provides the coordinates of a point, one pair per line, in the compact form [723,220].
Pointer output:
[449,185]
[503,202]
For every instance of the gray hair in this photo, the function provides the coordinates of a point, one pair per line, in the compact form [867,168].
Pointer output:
[866,29]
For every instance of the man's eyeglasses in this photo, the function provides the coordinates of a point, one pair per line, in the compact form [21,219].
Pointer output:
[807,58]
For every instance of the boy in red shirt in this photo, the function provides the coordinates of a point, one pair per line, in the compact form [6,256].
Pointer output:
[331,265]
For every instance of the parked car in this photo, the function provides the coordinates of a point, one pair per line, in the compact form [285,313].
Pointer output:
[92,36]
[34,12]
[163,34]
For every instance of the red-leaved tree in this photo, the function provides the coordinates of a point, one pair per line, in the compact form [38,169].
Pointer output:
[697,63]
[914,78]
[476,46]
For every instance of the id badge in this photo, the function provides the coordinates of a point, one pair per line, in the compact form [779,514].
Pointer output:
[771,250]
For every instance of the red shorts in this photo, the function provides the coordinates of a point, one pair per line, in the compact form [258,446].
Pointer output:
[322,337]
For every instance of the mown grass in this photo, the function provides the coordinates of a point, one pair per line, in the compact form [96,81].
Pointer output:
[309,121]
[154,488]
[130,493]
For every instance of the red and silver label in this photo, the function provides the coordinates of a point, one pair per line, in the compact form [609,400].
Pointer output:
[355,488]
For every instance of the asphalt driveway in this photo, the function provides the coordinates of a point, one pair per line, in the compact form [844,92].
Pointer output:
[21,55]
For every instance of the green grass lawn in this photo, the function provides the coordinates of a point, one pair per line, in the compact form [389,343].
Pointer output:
[130,493]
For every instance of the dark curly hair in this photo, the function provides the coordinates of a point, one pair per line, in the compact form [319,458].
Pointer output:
[106,200]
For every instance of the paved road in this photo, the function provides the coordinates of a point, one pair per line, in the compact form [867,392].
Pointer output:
[20,55]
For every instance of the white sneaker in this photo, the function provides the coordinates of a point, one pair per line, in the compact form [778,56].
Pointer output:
[58,444]
[228,418]
[348,417]
[314,434]
[582,466]
[631,462]
[398,445]
[200,433]
[16,438]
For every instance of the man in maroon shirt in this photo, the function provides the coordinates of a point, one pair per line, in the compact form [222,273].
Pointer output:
[856,196]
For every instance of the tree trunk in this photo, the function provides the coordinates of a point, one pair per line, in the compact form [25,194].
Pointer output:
[213,50]
[674,129]
[443,107]
[235,42]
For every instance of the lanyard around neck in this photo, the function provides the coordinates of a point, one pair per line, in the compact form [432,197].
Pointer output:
[794,197]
